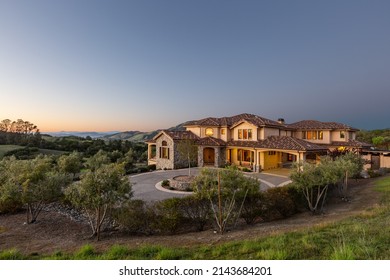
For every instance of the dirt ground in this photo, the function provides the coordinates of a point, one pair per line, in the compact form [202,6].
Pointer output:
[55,232]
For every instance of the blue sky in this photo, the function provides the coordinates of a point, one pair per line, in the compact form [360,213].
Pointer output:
[144,65]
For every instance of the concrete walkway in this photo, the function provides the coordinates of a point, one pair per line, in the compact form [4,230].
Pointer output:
[146,185]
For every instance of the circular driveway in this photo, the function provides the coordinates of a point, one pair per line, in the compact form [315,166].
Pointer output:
[144,184]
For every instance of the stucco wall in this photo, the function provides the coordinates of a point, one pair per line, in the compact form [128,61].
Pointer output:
[271,132]
[245,125]
[385,161]
[335,136]
[195,130]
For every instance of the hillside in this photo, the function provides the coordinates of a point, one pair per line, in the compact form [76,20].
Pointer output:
[138,136]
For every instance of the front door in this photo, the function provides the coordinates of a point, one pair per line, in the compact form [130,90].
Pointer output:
[208,156]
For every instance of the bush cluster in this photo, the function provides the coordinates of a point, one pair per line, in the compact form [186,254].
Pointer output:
[193,213]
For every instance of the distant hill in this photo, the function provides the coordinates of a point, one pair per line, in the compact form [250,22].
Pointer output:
[138,136]
[134,136]
[83,134]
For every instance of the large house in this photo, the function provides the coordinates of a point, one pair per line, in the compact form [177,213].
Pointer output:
[252,141]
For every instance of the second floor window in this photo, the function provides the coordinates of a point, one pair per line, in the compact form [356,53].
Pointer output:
[313,135]
[342,134]
[245,134]
[209,131]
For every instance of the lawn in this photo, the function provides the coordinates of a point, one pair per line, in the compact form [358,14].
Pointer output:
[6,148]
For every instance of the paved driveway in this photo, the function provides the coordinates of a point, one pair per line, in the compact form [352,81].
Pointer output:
[144,185]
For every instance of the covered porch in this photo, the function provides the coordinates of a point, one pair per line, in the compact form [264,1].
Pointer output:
[152,153]
[263,159]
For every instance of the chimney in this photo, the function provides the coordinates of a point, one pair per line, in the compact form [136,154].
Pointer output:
[281,120]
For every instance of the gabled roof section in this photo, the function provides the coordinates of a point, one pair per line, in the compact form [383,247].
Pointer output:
[178,135]
[313,124]
[211,141]
[234,120]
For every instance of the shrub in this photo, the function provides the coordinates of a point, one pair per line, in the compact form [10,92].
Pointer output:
[165,183]
[373,173]
[169,215]
[197,210]
[279,203]
[253,207]
[152,167]
[136,217]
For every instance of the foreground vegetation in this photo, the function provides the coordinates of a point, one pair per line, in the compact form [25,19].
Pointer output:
[365,236]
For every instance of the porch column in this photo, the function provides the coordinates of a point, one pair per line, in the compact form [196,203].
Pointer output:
[200,156]
[255,163]
[261,160]
[302,156]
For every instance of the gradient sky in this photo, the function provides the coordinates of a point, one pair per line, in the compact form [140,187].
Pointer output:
[144,65]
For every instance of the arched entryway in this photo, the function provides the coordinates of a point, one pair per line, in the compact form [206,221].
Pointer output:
[209,156]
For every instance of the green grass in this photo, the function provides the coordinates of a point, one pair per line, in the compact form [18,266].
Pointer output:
[365,236]
[6,148]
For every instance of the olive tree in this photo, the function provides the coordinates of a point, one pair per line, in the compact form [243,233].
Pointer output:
[70,164]
[226,189]
[99,191]
[34,183]
[188,151]
[314,181]
[349,165]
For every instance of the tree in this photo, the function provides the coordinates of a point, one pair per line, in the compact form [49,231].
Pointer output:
[226,190]
[33,182]
[188,151]
[98,191]
[349,165]
[70,164]
[100,158]
[314,181]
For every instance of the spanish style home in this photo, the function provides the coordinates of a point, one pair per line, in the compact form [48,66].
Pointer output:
[252,141]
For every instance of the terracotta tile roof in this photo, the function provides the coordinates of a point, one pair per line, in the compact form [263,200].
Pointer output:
[246,144]
[231,121]
[351,143]
[181,135]
[280,143]
[290,143]
[211,141]
[313,124]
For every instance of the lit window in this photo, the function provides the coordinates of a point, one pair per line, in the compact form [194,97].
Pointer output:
[320,135]
[222,131]
[164,150]
[209,131]
[245,134]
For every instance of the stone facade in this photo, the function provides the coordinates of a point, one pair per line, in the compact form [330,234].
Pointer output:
[165,163]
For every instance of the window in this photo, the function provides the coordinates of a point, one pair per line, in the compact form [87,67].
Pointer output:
[164,150]
[342,134]
[313,135]
[223,131]
[245,134]
[248,155]
[240,134]
[209,131]
[271,153]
